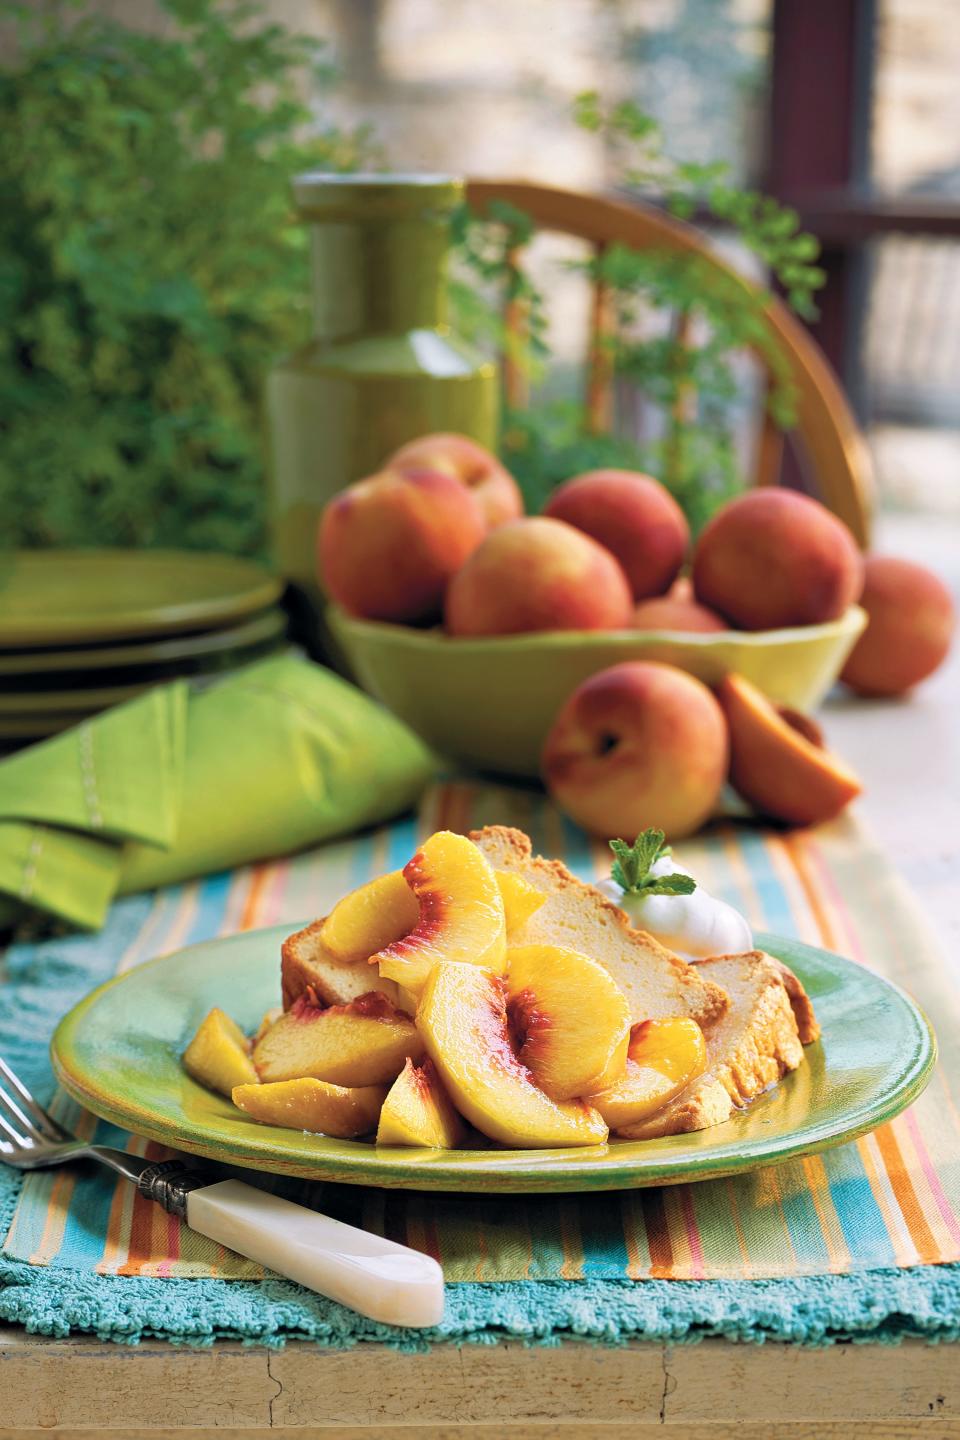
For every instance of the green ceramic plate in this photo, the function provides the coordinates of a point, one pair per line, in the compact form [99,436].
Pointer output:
[148,660]
[118,1053]
[443,687]
[65,597]
[81,701]
[25,726]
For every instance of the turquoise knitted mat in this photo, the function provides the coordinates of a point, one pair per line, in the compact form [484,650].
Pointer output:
[39,982]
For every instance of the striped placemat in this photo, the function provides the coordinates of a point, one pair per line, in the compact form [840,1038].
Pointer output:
[890,1199]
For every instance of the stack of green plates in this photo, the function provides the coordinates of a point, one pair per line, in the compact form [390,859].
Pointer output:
[84,629]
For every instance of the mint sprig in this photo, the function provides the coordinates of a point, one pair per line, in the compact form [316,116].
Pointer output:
[633,864]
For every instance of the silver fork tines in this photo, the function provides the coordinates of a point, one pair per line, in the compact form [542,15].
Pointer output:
[37,1124]
[32,1139]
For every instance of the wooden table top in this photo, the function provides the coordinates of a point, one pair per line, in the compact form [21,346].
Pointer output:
[909,756]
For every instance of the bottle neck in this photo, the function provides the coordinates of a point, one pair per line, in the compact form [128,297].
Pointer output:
[376,277]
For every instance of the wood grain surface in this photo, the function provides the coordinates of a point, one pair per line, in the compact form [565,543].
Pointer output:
[475,1390]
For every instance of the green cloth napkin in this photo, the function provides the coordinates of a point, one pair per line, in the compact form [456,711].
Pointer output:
[179,782]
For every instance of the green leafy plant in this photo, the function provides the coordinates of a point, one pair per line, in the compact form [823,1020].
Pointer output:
[488,279]
[151,268]
[633,864]
[687,369]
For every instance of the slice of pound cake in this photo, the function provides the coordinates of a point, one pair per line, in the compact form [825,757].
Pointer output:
[750,1047]
[307,965]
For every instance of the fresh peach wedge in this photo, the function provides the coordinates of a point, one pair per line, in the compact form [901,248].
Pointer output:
[369,919]
[463,1021]
[569,1020]
[520,900]
[219,1054]
[461,913]
[778,761]
[663,1056]
[363,1043]
[307,1104]
[418,1111]
[406,1000]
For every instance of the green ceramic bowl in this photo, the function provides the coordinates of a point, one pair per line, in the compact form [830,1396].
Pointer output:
[489,702]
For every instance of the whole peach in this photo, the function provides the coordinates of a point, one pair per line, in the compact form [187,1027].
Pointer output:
[637,745]
[537,574]
[389,544]
[664,613]
[911,624]
[458,455]
[634,517]
[774,558]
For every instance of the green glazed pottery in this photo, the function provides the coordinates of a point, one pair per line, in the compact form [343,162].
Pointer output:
[118,1053]
[29,726]
[71,597]
[56,702]
[146,663]
[383,366]
[489,702]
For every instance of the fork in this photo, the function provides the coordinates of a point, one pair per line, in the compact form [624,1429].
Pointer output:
[372,1275]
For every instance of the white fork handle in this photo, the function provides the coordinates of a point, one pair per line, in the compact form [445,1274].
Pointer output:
[378,1278]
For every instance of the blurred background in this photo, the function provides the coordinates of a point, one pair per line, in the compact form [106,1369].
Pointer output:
[846,110]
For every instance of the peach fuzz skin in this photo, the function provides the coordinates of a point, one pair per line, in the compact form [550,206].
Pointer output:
[467,461]
[909,632]
[773,558]
[634,517]
[388,545]
[639,744]
[665,613]
[537,574]
[777,759]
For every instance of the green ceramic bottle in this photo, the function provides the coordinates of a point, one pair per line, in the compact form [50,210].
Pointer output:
[383,366]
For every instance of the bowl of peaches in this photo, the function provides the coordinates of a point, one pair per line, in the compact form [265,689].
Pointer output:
[474,622]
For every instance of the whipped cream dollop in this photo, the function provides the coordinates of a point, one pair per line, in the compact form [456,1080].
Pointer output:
[693,926]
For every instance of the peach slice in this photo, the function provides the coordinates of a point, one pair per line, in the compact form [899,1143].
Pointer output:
[520,900]
[461,913]
[418,1111]
[463,1021]
[369,919]
[663,1056]
[314,1105]
[219,1054]
[777,758]
[363,1043]
[406,1000]
[569,1019]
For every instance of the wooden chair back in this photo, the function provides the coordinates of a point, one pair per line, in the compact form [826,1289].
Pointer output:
[837,462]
